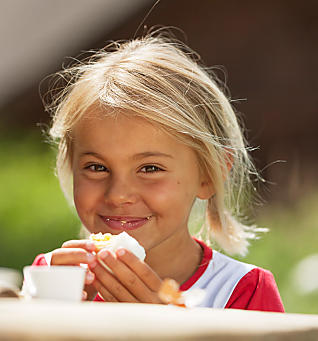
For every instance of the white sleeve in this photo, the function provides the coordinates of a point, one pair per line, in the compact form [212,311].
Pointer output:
[220,279]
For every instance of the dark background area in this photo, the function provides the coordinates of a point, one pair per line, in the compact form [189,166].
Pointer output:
[268,52]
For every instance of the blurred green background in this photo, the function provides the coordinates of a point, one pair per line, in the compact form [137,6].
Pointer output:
[268,51]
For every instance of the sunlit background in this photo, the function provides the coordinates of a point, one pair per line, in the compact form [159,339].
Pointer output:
[268,52]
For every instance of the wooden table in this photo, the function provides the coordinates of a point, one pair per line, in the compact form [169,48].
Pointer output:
[50,320]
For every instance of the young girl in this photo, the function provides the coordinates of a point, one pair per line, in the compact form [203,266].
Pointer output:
[143,132]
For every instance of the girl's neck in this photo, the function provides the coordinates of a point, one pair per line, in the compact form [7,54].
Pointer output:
[177,259]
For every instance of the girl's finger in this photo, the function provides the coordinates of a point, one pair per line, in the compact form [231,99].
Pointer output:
[91,291]
[82,244]
[104,293]
[68,256]
[111,285]
[84,295]
[89,278]
[141,269]
[129,279]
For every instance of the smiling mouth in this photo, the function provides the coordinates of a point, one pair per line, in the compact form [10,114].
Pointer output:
[125,223]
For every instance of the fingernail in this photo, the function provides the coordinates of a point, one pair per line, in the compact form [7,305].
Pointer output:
[90,277]
[90,258]
[103,254]
[90,246]
[121,252]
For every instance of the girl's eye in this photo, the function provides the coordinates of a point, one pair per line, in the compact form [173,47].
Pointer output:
[96,168]
[150,169]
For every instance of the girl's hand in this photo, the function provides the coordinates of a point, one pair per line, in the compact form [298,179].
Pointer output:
[130,279]
[76,252]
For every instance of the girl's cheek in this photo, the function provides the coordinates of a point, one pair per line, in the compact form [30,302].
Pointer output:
[86,187]
[86,197]
[158,190]
[161,194]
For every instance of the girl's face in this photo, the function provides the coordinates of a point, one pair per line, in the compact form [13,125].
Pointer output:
[131,176]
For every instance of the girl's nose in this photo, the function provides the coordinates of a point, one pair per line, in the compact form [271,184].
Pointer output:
[120,192]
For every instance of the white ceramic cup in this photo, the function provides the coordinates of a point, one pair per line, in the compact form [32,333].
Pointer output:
[64,283]
[10,278]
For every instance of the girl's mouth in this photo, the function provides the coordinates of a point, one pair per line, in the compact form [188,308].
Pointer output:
[125,223]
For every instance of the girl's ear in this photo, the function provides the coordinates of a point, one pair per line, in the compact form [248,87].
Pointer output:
[206,190]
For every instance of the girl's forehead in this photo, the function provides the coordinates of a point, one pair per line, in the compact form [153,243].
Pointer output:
[118,127]
[115,123]
[131,132]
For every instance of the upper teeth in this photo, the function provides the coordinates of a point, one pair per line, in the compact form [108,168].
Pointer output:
[125,221]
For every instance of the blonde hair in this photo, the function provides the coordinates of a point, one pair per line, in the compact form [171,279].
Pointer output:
[160,79]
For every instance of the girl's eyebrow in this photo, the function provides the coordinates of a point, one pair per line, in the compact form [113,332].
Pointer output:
[151,153]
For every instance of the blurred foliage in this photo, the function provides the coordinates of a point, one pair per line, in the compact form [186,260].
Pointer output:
[292,237]
[35,218]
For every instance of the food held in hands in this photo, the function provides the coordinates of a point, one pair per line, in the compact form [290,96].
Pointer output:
[113,242]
